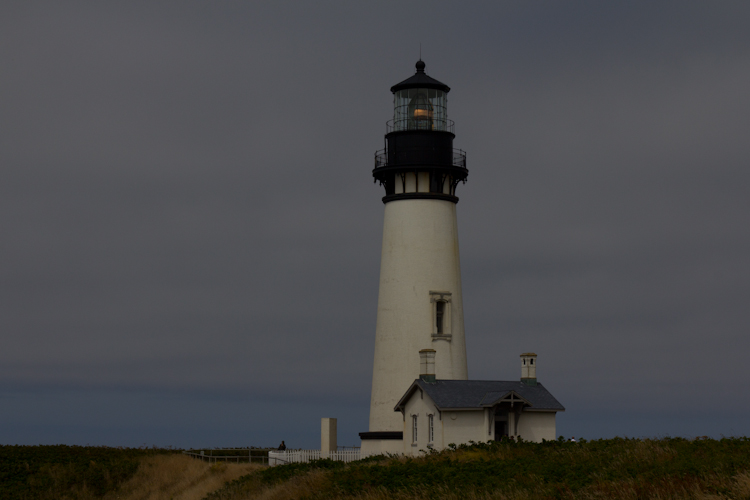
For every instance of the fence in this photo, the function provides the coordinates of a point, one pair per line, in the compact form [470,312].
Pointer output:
[300,456]
[231,455]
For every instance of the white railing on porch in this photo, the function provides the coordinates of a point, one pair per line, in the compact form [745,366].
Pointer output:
[300,456]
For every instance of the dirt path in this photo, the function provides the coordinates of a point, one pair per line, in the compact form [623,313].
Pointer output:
[178,477]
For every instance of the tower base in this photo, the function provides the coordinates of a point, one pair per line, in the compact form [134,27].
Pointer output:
[381,443]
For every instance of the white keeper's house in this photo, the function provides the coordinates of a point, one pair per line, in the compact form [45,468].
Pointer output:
[421,396]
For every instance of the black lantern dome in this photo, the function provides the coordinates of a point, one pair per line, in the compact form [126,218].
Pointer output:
[419,160]
[420,80]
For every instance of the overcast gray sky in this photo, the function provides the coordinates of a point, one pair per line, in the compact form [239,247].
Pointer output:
[191,235]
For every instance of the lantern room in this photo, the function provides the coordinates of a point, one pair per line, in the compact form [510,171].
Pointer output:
[420,103]
[419,160]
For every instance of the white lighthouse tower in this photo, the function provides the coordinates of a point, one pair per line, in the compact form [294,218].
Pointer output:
[420,303]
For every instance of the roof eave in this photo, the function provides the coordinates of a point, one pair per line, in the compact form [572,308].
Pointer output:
[402,402]
[398,87]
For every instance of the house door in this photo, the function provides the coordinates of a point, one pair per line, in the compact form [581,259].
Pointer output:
[501,429]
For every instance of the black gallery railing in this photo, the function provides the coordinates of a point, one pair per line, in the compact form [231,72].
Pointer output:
[455,158]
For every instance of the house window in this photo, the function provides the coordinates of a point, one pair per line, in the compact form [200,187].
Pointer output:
[413,428]
[430,428]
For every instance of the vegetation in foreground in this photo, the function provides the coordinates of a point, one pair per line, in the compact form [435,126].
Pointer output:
[89,473]
[613,468]
[70,472]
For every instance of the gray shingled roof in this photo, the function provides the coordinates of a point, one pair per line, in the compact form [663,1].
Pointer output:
[482,393]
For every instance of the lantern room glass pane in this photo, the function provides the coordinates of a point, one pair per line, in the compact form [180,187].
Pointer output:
[420,109]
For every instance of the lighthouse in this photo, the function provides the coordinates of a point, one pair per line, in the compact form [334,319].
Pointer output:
[420,305]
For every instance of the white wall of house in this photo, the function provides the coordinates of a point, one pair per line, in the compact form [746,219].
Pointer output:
[421,406]
[447,427]
[535,426]
[464,426]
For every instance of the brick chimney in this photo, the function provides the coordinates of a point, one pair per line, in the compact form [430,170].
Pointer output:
[427,365]
[528,368]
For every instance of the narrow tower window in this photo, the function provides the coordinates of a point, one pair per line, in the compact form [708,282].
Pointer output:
[436,182]
[439,315]
[430,429]
[413,428]
[390,185]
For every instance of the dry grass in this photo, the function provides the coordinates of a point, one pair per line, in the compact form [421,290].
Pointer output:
[313,486]
[622,490]
[440,494]
[612,469]
[178,477]
[741,486]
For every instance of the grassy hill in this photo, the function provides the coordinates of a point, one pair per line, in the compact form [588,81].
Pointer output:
[613,468]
